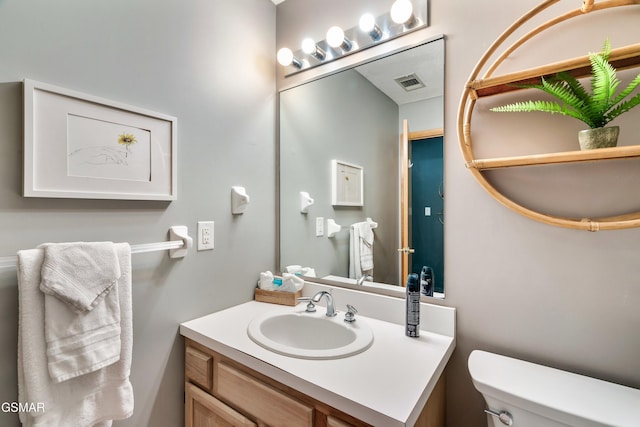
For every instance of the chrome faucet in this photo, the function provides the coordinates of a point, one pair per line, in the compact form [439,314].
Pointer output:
[312,301]
[331,310]
[361,279]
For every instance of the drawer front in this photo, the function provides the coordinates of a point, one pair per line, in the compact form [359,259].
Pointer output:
[336,422]
[259,400]
[199,367]
[202,410]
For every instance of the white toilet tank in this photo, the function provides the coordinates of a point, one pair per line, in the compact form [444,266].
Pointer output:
[539,396]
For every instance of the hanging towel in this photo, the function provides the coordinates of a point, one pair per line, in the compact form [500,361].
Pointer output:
[81,273]
[81,307]
[366,246]
[360,250]
[92,399]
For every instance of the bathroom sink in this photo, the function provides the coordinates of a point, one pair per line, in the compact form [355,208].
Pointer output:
[310,335]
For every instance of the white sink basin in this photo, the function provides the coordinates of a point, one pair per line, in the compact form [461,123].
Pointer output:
[310,335]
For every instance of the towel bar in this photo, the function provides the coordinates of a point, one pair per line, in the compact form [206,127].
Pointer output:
[173,245]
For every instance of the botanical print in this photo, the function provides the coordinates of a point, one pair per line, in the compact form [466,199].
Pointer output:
[126,139]
[347,184]
[106,150]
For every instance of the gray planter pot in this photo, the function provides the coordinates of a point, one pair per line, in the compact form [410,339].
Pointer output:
[598,137]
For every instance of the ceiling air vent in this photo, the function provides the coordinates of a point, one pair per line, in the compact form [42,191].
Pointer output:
[410,82]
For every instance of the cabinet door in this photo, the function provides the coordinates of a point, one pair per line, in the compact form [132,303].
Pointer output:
[204,410]
[259,400]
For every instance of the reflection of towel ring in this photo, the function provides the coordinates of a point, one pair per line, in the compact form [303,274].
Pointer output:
[441,217]
[441,190]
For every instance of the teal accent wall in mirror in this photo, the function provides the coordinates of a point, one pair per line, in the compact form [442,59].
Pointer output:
[355,117]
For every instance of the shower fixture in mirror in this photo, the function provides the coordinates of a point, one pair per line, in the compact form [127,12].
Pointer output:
[357,116]
[403,17]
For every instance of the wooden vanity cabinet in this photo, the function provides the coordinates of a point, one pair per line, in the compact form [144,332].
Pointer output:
[222,392]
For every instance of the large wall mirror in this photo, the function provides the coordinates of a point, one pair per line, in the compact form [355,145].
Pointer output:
[341,143]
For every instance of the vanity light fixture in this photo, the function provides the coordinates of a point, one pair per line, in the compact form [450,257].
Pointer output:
[404,17]
[369,26]
[336,39]
[402,13]
[285,58]
[311,48]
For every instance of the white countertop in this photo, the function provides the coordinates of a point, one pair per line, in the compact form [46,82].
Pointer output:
[388,384]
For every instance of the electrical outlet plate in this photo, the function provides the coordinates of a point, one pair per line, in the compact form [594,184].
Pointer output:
[205,235]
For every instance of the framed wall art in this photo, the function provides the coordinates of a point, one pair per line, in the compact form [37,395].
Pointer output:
[347,184]
[81,146]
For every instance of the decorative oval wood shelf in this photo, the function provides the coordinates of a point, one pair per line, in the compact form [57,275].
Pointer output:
[621,58]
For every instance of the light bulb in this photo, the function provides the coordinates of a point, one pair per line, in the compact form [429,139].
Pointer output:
[368,25]
[335,36]
[367,22]
[285,56]
[311,48]
[308,46]
[401,11]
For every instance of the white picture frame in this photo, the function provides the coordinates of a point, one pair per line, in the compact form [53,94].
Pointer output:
[347,184]
[85,147]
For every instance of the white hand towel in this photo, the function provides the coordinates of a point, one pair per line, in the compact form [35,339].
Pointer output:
[266,281]
[308,271]
[354,253]
[81,273]
[360,250]
[81,307]
[366,246]
[88,400]
[80,343]
[293,269]
[291,283]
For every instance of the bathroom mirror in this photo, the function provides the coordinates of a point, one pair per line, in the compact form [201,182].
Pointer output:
[342,164]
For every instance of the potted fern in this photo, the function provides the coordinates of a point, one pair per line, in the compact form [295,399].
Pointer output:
[596,109]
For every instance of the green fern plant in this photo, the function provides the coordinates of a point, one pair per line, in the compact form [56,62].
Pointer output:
[597,108]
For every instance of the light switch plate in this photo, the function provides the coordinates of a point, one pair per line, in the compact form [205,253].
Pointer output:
[319,226]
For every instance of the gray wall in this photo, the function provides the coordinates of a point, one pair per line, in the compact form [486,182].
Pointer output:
[352,121]
[210,64]
[414,112]
[555,296]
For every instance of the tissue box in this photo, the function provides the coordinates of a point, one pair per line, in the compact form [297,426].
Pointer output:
[277,297]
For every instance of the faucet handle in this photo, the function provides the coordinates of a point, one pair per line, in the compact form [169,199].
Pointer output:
[311,307]
[350,315]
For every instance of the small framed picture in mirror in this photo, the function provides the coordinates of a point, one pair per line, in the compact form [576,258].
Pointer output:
[346,184]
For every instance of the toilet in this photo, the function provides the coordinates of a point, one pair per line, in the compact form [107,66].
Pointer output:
[523,394]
